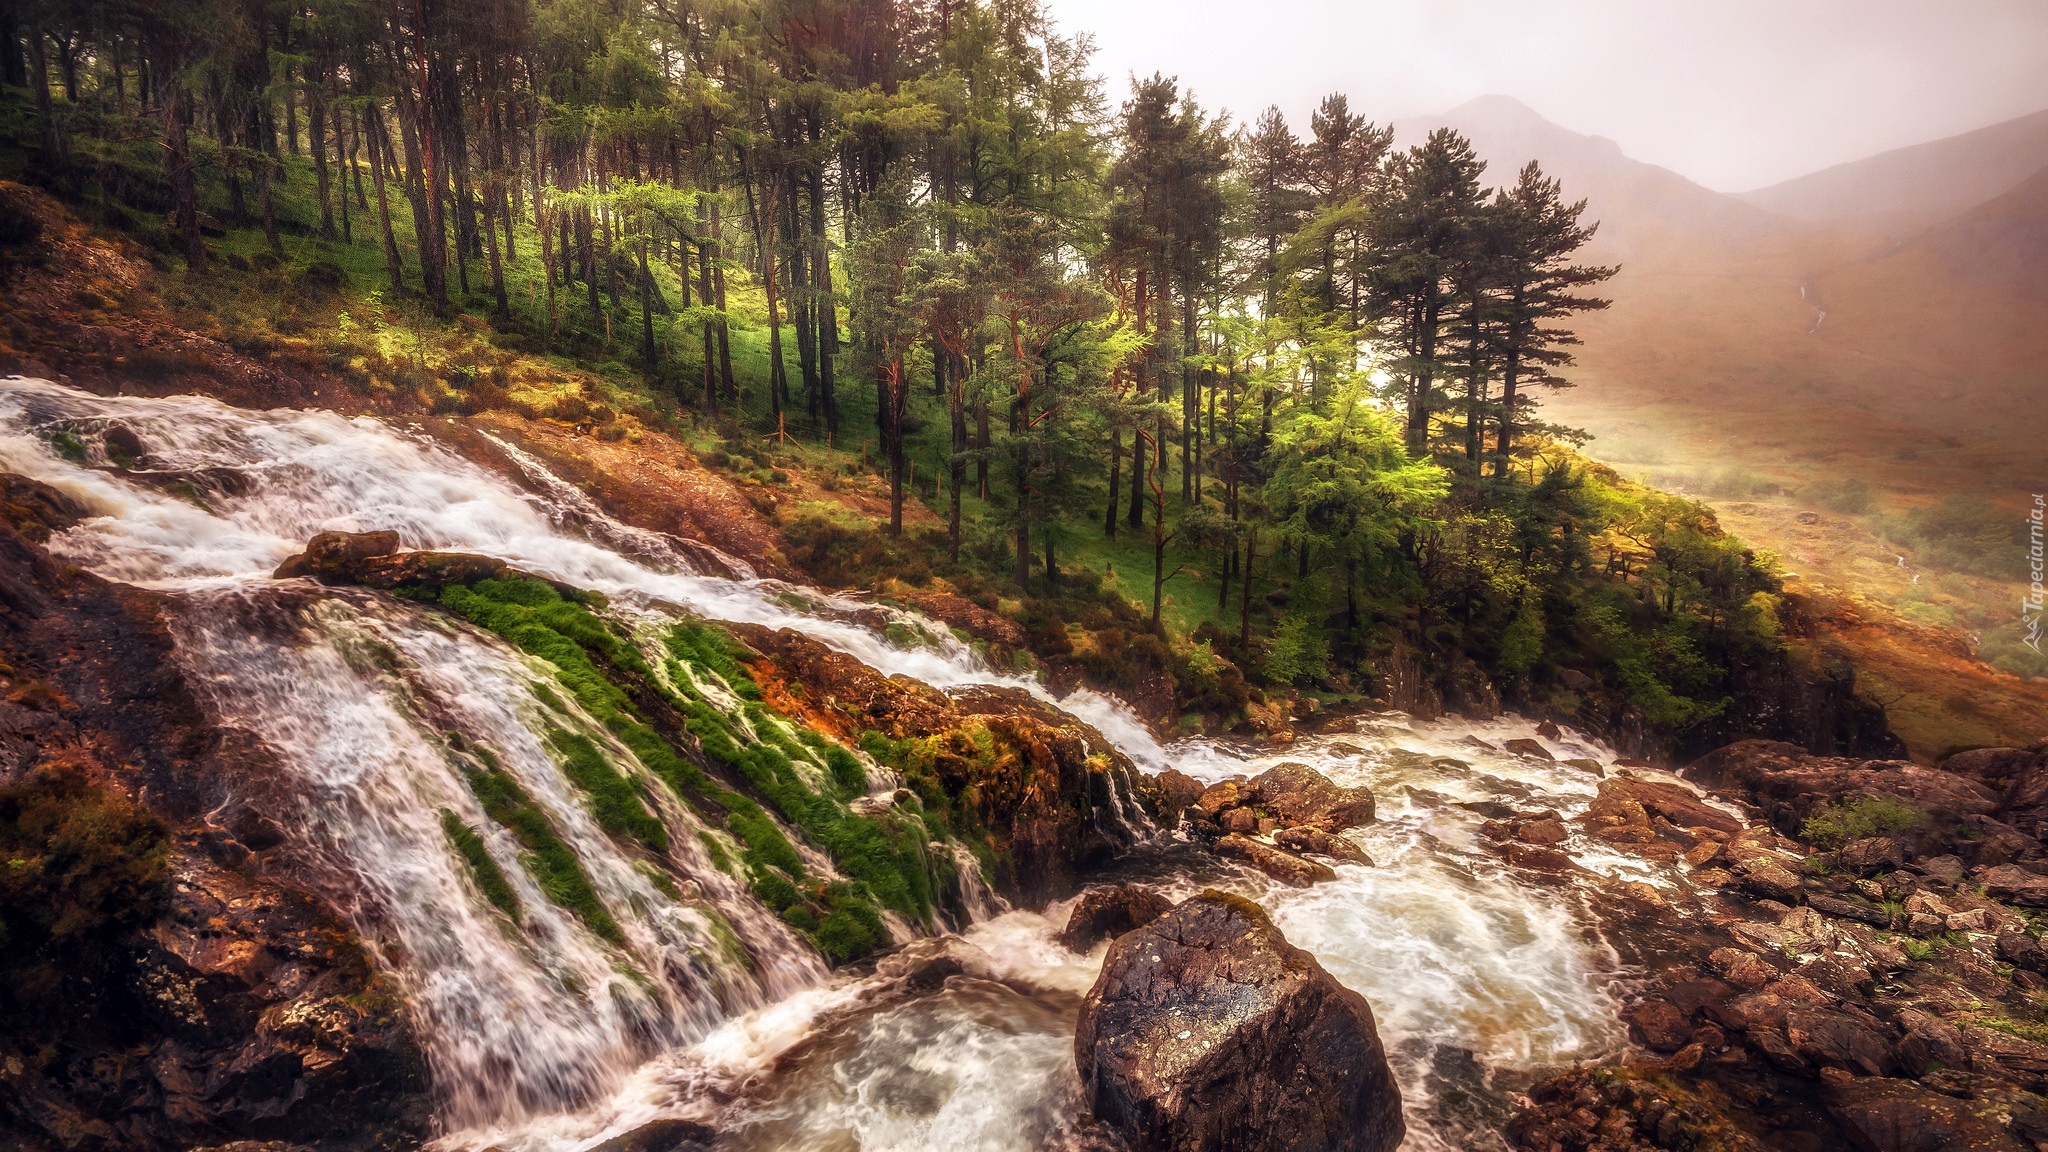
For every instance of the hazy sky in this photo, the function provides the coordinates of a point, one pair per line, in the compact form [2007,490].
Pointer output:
[1733,93]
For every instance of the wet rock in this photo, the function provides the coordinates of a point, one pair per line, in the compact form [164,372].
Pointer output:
[1299,796]
[663,1136]
[1659,1025]
[1177,790]
[1534,857]
[1281,865]
[1740,968]
[1523,746]
[1584,765]
[334,557]
[1541,828]
[1886,1115]
[1223,795]
[1242,821]
[928,962]
[1548,730]
[2015,885]
[1673,802]
[123,446]
[1704,853]
[372,560]
[1208,1030]
[1321,843]
[1109,912]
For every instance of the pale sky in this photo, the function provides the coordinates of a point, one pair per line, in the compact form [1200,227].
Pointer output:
[1735,94]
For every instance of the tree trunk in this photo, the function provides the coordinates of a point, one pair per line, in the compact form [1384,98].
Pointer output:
[1116,458]
[184,194]
[379,143]
[1244,617]
[316,125]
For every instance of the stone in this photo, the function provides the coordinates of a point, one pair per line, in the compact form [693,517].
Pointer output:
[1584,765]
[1278,863]
[1659,1026]
[1880,1114]
[1673,802]
[1868,856]
[1221,795]
[1830,1038]
[333,554]
[2022,951]
[1108,912]
[1242,821]
[1208,1030]
[1994,766]
[1548,730]
[663,1136]
[1704,853]
[1975,920]
[1764,876]
[2015,885]
[1849,909]
[1929,1043]
[1741,968]
[1947,869]
[1178,791]
[1534,857]
[1322,844]
[1523,746]
[1299,796]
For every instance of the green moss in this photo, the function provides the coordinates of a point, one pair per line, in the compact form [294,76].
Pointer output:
[613,800]
[69,446]
[490,879]
[850,931]
[547,858]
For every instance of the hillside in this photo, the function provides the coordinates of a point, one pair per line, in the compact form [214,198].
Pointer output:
[1896,193]
[1768,367]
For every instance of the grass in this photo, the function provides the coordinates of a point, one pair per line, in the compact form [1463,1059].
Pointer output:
[1860,819]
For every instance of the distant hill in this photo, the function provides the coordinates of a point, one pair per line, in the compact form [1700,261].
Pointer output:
[1639,205]
[1897,193]
[2001,244]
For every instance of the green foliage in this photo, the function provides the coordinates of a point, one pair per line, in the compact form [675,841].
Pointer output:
[1966,534]
[490,879]
[1860,819]
[1522,644]
[1299,651]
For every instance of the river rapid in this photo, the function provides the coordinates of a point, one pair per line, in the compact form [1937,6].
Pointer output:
[708,1007]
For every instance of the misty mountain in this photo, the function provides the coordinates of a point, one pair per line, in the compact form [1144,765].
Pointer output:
[2001,244]
[1640,206]
[1899,192]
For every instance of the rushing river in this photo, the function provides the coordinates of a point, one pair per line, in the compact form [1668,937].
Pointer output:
[709,1007]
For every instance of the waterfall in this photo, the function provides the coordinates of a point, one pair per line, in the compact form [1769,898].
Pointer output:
[659,983]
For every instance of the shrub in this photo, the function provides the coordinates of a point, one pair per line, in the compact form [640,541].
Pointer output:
[1860,819]
[78,866]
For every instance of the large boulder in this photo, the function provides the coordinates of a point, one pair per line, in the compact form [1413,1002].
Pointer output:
[1208,1030]
[1789,785]
[1278,863]
[373,560]
[1298,796]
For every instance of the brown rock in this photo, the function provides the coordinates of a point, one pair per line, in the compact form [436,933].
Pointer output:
[1835,1038]
[1208,1030]
[1111,911]
[1994,766]
[1740,968]
[1534,857]
[1300,796]
[1764,876]
[1873,855]
[663,1136]
[1221,795]
[1177,790]
[1659,1026]
[332,556]
[1242,821]
[1929,1043]
[1281,865]
[1523,746]
[2015,885]
[1886,1115]
[1704,853]
[1673,802]
[1322,844]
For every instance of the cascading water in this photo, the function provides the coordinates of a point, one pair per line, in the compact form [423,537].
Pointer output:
[548,1032]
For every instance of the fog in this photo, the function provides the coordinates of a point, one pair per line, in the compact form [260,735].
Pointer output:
[1736,94]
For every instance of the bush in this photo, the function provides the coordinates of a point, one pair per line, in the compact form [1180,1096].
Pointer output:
[1860,819]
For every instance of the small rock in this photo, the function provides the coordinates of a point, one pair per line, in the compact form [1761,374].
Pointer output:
[1281,865]
[1929,1042]
[2022,951]
[1766,877]
[1946,869]
[1547,730]
[1108,912]
[1864,857]
[1925,924]
[1659,1026]
[1322,844]
[1704,853]
[1887,1115]
[1534,857]
[1975,920]
[1523,746]
[2015,885]
[1221,795]
[1584,765]
[1242,821]
[1740,968]
[662,1136]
